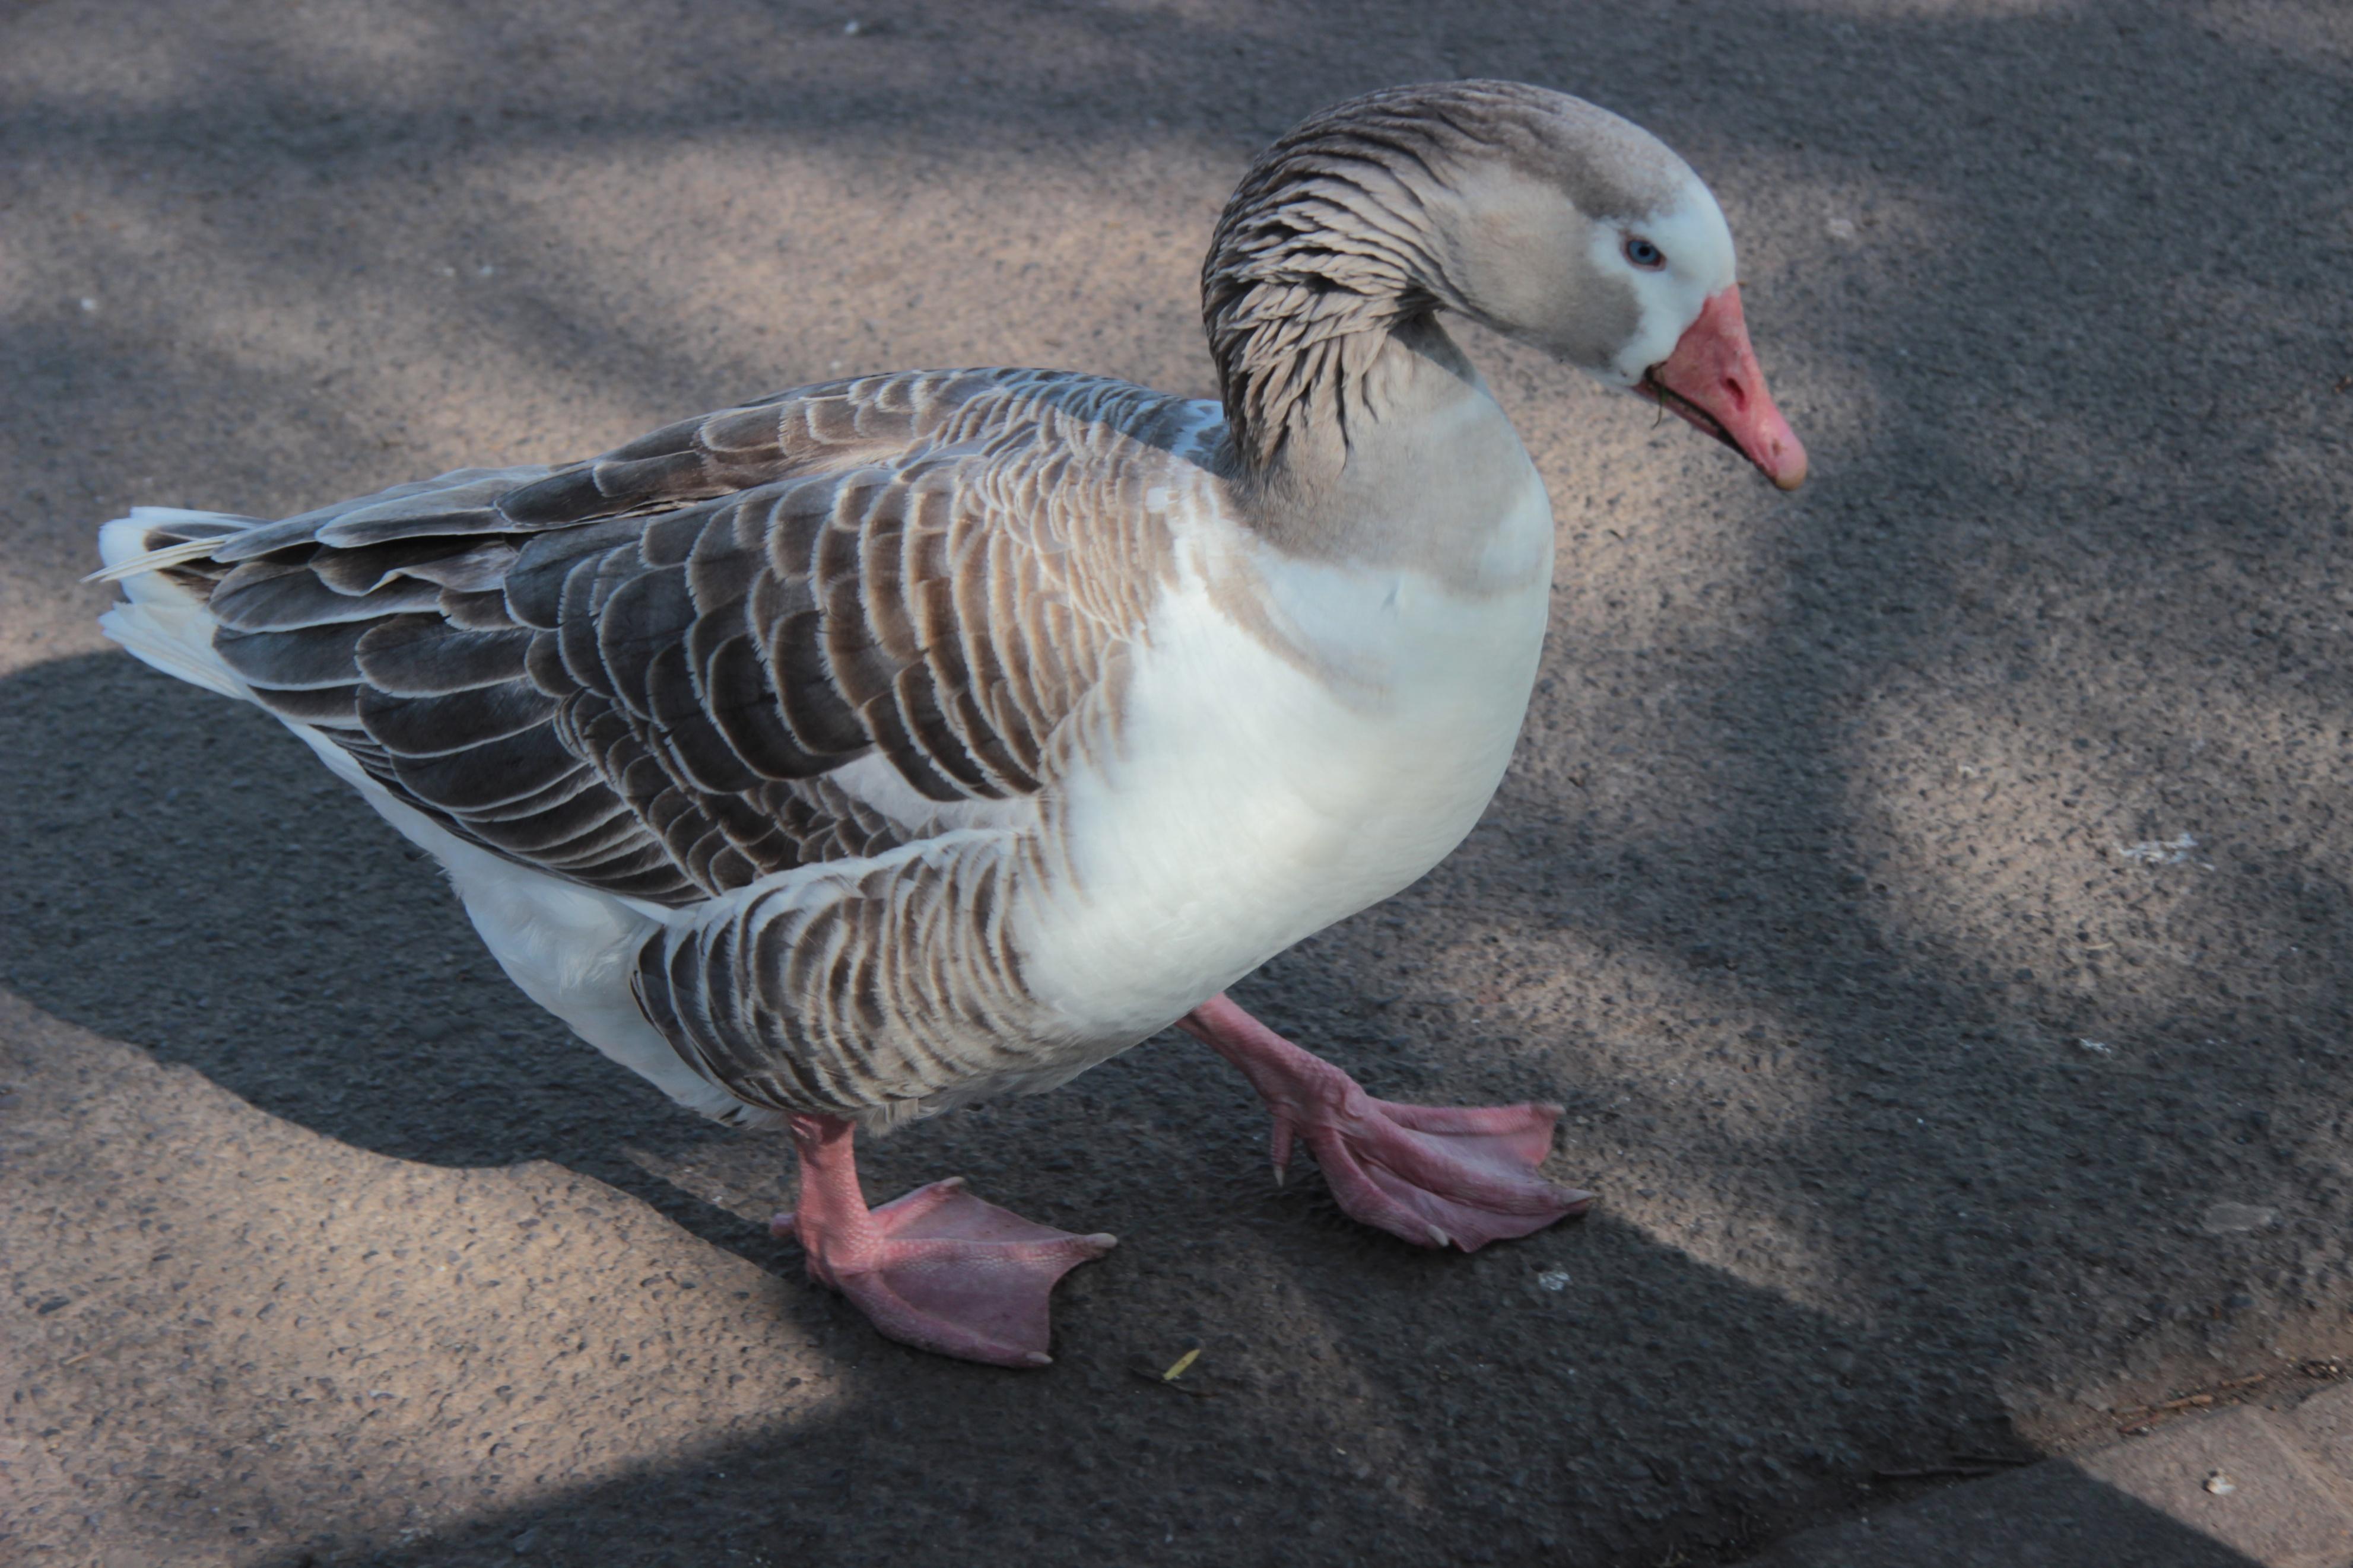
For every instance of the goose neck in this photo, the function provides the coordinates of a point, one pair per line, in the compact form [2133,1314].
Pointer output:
[1403,460]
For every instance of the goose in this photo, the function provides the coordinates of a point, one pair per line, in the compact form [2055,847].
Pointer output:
[879,746]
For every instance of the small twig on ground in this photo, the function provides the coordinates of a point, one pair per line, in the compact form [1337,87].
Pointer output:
[1168,1379]
[1149,1375]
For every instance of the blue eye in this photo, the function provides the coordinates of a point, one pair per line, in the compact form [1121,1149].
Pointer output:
[1643,254]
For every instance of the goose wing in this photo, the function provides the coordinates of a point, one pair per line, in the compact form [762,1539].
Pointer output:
[817,627]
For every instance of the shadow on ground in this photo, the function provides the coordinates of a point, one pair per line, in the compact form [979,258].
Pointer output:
[181,887]
[1927,895]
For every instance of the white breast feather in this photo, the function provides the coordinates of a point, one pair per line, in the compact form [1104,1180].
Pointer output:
[1254,802]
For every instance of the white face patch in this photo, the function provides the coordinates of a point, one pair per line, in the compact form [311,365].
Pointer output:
[1697,244]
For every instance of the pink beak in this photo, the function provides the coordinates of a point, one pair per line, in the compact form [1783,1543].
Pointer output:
[1712,381]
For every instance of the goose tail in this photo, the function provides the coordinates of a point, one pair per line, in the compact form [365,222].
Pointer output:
[158,556]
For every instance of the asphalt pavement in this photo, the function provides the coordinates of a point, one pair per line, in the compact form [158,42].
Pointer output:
[1927,892]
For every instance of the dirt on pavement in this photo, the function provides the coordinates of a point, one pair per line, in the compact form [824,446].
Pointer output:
[1928,893]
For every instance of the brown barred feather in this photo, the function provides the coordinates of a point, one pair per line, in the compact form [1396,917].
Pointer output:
[641,672]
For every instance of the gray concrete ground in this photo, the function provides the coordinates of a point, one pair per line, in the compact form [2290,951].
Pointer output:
[1928,893]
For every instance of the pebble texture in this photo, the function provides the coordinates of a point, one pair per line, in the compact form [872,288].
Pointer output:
[1925,892]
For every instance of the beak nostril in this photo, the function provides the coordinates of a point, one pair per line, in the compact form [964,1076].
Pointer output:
[1738,393]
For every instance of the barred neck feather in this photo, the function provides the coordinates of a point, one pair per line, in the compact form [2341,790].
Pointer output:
[1378,212]
[1322,251]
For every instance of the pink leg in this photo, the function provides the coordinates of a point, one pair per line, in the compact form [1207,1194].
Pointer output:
[938,1269]
[1436,1175]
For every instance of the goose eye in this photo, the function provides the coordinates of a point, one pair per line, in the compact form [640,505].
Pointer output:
[1643,254]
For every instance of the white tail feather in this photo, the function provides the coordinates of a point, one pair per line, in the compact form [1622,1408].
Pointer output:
[160,623]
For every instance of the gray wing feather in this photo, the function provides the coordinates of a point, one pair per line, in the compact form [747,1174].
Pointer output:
[431,654]
[641,672]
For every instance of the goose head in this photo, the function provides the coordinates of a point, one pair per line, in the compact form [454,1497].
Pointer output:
[1541,215]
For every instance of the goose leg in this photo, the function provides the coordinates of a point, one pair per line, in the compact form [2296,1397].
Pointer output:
[1436,1175]
[937,1268]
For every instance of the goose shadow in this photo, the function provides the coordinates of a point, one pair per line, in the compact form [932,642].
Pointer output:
[184,878]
